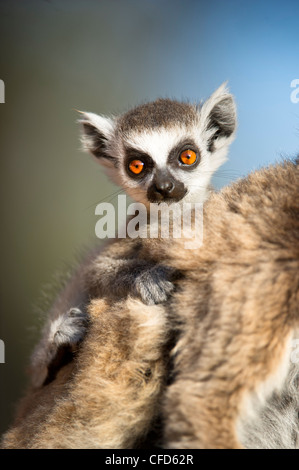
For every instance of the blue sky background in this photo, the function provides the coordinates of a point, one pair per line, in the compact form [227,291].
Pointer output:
[106,56]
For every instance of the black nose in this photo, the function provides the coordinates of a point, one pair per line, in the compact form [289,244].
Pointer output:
[164,187]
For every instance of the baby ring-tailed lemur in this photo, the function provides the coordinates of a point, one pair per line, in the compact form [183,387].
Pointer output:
[163,151]
[236,306]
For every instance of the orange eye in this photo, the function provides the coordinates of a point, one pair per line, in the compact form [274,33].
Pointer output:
[136,166]
[188,157]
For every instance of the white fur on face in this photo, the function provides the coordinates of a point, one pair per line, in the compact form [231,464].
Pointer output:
[159,143]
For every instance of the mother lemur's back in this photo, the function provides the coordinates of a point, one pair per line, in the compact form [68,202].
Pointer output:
[234,380]
[235,364]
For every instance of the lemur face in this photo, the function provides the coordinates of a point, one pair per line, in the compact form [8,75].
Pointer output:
[162,163]
[164,151]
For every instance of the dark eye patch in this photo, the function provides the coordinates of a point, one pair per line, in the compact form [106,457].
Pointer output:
[134,154]
[174,155]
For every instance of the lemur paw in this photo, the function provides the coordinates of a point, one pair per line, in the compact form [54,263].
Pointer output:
[69,328]
[56,349]
[154,285]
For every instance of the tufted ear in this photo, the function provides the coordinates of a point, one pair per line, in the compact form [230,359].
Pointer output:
[219,117]
[96,133]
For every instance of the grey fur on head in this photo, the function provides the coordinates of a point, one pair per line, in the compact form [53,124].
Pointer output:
[156,130]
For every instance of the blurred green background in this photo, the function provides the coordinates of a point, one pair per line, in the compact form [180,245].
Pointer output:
[106,56]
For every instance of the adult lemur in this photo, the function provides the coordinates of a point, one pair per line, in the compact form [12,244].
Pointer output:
[236,306]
